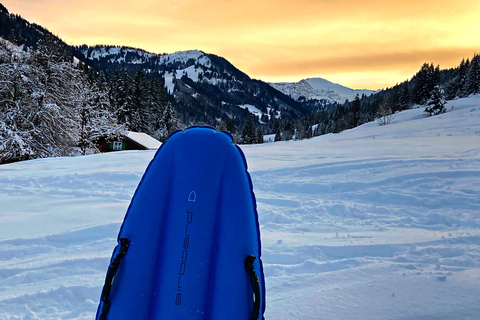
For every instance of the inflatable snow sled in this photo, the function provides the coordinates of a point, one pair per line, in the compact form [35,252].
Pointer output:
[189,246]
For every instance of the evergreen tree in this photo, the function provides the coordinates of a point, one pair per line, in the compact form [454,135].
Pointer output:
[425,81]
[274,126]
[288,130]
[472,83]
[436,104]
[230,126]
[121,94]
[259,136]
[249,135]
[51,51]
[455,84]
[308,131]
[278,135]
[139,109]
[462,77]
[394,98]
[168,123]
[170,118]
[157,103]
[403,102]
[355,109]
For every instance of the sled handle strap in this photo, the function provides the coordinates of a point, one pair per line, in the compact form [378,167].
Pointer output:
[112,271]
[254,279]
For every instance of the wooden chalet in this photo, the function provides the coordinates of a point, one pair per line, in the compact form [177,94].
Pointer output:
[130,141]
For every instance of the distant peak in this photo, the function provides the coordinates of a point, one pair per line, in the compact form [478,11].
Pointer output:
[319,89]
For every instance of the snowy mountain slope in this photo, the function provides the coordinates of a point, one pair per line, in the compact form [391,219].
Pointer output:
[116,54]
[205,85]
[372,223]
[319,89]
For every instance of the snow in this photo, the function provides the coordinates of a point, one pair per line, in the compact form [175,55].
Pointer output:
[169,84]
[191,72]
[377,222]
[251,108]
[184,56]
[255,111]
[118,54]
[17,51]
[144,140]
[320,89]
[269,138]
[344,92]
[114,52]
[215,81]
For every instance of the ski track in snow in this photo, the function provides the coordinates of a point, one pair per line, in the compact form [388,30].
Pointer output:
[372,223]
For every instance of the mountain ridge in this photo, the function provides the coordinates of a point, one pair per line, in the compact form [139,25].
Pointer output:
[198,80]
[320,89]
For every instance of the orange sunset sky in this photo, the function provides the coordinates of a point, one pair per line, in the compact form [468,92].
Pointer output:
[359,44]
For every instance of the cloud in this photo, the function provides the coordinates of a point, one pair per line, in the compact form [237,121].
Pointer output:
[371,70]
[371,61]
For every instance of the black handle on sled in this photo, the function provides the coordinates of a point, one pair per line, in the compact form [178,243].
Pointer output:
[255,280]
[112,271]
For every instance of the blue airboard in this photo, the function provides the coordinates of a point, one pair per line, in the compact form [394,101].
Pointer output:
[189,246]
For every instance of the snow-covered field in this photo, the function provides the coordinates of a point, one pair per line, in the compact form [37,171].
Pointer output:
[372,223]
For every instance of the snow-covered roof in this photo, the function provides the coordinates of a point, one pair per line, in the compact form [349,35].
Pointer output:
[144,140]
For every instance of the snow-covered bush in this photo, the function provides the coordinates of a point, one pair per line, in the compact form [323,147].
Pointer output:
[384,114]
[436,104]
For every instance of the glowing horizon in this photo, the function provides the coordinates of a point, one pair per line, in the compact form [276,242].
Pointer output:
[370,44]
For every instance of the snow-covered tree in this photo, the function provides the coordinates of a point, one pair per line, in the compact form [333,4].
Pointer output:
[457,85]
[121,97]
[139,109]
[96,118]
[46,106]
[168,123]
[157,102]
[15,138]
[37,116]
[436,104]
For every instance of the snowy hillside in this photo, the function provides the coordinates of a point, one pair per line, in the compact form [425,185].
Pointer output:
[319,89]
[205,86]
[137,56]
[374,223]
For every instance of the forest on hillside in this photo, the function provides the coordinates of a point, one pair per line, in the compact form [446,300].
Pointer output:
[457,82]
